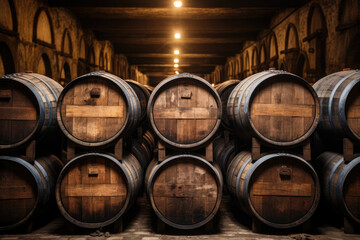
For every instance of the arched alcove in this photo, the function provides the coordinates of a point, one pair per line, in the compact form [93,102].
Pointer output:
[273,51]
[82,49]
[43,30]
[247,64]
[44,65]
[291,48]
[263,58]
[66,44]
[101,60]
[65,76]
[6,60]
[255,60]
[8,19]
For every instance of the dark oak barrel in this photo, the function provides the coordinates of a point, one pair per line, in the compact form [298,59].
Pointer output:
[97,108]
[223,153]
[224,89]
[143,95]
[185,191]
[277,107]
[339,95]
[27,108]
[26,190]
[281,190]
[340,183]
[95,189]
[184,111]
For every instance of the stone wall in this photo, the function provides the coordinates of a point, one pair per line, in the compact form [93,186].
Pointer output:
[312,41]
[38,38]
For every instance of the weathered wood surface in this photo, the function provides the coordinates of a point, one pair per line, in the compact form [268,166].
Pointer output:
[184,190]
[279,189]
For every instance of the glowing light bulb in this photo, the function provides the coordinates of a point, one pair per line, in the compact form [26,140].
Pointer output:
[176,60]
[176,65]
[177,4]
[177,35]
[176,52]
[176,72]
[213,84]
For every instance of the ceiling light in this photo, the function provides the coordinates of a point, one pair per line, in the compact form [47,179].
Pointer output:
[176,60]
[213,84]
[177,35]
[177,4]
[176,72]
[176,52]
[176,65]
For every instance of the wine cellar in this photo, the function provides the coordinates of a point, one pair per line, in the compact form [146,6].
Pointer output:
[171,119]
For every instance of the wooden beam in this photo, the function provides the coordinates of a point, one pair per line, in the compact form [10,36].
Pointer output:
[168,13]
[169,4]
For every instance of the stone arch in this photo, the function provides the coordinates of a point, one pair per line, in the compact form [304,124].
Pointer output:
[255,60]
[7,64]
[8,18]
[44,66]
[66,44]
[273,51]
[317,32]
[291,48]
[263,57]
[65,76]
[82,49]
[43,31]
[247,64]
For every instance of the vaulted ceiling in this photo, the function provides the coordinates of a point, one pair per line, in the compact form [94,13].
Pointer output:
[143,30]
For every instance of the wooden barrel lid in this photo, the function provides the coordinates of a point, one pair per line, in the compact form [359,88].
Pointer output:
[19,112]
[283,190]
[185,191]
[92,190]
[283,109]
[184,111]
[350,190]
[94,109]
[20,190]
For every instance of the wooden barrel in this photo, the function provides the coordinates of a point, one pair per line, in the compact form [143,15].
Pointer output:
[184,111]
[94,189]
[340,104]
[185,191]
[277,107]
[143,95]
[26,190]
[223,153]
[97,108]
[27,108]
[281,190]
[340,183]
[224,90]
[142,153]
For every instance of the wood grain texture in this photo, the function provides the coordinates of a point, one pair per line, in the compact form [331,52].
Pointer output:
[281,190]
[184,111]
[185,193]
[94,111]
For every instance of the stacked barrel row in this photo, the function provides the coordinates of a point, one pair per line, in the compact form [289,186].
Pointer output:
[338,168]
[183,185]
[97,112]
[279,111]
[28,138]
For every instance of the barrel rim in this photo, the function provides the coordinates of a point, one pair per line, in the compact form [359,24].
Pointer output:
[146,94]
[169,81]
[105,77]
[342,108]
[340,186]
[250,96]
[40,108]
[39,185]
[58,190]
[170,160]
[309,213]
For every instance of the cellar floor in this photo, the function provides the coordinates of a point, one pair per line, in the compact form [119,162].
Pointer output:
[139,224]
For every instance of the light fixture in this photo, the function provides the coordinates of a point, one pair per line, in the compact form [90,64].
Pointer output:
[177,4]
[176,52]
[213,84]
[176,60]
[176,65]
[177,35]
[176,72]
